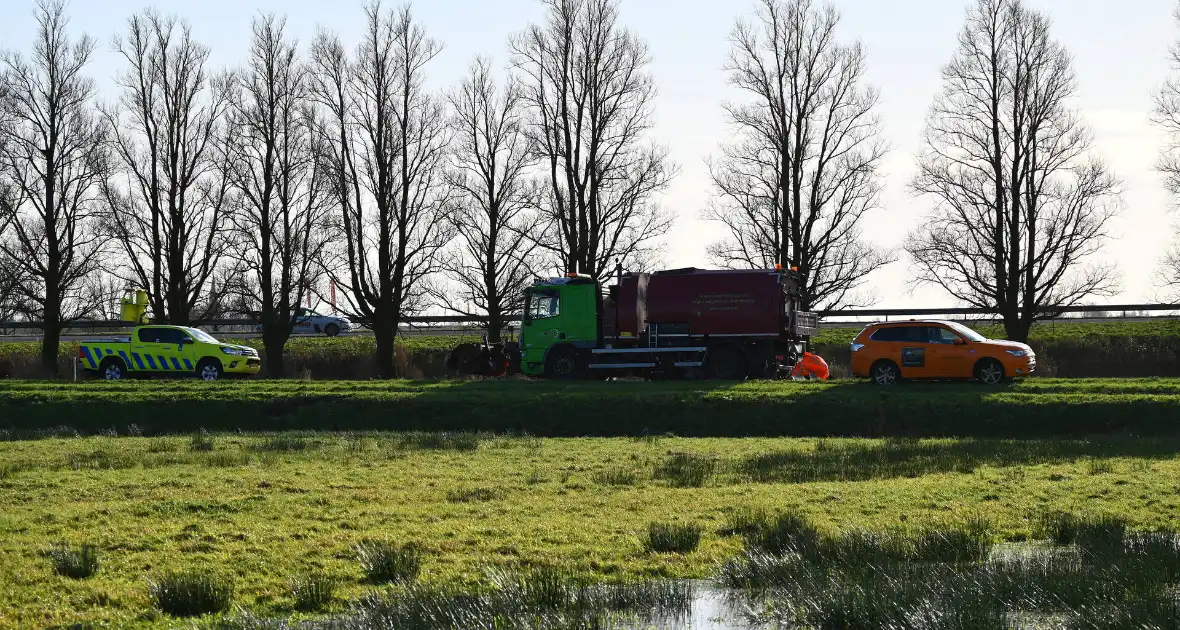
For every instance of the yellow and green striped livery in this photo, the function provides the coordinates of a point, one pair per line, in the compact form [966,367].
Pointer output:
[173,350]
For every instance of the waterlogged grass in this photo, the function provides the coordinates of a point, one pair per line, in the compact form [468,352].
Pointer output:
[901,579]
[268,509]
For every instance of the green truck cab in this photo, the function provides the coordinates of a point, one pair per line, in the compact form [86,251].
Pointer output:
[165,350]
[562,312]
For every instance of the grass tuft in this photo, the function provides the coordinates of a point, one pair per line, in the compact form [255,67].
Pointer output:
[77,563]
[616,477]
[788,532]
[383,562]
[313,593]
[472,495]
[1094,531]
[672,538]
[201,441]
[686,470]
[283,443]
[191,594]
[440,440]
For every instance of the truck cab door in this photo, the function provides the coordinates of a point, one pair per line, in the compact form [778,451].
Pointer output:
[541,327]
[147,349]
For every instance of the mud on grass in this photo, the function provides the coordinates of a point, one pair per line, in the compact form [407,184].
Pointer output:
[265,513]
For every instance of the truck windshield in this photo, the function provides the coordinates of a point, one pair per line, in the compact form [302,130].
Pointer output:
[543,303]
[201,335]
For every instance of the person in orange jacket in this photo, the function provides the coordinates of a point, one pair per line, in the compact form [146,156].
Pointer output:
[811,366]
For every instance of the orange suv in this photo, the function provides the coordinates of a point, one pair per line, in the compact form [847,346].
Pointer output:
[935,349]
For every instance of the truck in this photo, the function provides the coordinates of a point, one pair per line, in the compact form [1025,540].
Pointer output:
[163,350]
[675,324]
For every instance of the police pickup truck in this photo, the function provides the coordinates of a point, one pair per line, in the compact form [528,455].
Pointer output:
[167,351]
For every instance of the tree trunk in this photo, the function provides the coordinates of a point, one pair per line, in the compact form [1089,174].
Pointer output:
[385,334]
[274,342]
[51,343]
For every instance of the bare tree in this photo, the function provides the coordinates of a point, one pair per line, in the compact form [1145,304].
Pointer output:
[804,167]
[1167,117]
[494,200]
[1020,204]
[167,203]
[586,83]
[279,216]
[385,139]
[52,166]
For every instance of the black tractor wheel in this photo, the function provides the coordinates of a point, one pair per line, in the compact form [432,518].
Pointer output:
[209,370]
[112,369]
[989,372]
[885,373]
[565,363]
[726,362]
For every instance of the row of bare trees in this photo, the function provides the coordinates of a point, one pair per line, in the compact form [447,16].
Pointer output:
[243,191]
[227,192]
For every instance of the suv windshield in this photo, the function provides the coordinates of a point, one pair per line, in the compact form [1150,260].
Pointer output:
[201,335]
[966,332]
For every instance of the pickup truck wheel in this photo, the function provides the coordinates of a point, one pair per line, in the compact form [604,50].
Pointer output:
[331,330]
[209,370]
[112,369]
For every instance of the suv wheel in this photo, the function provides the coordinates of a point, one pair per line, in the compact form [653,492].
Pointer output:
[331,330]
[989,372]
[885,373]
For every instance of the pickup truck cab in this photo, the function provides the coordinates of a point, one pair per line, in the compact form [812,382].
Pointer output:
[167,351]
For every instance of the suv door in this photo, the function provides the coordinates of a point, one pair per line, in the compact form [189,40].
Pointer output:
[948,355]
[904,345]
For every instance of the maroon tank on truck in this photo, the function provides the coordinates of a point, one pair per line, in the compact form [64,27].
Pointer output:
[700,302]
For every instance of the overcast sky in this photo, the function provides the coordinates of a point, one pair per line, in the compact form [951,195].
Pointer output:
[1119,49]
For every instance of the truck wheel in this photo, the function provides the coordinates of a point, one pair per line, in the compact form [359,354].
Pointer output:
[112,369]
[989,372]
[885,373]
[331,330]
[726,362]
[565,362]
[209,370]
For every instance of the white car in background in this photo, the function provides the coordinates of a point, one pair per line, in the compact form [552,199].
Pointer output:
[308,321]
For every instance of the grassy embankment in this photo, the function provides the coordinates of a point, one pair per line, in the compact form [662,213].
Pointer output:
[1068,350]
[1034,407]
[259,511]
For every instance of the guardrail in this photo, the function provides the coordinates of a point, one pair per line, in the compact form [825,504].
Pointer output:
[854,314]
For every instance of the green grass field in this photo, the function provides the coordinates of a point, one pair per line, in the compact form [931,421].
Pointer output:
[261,510]
[1034,407]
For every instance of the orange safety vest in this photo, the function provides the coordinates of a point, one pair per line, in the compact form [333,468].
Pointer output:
[811,365]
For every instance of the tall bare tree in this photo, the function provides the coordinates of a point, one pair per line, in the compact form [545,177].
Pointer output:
[51,167]
[1020,202]
[1167,118]
[494,200]
[804,167]
[385,139]
[167,202]
[590,96]
[280,206]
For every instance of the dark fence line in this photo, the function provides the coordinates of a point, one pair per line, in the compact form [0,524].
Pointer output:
[843,313]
